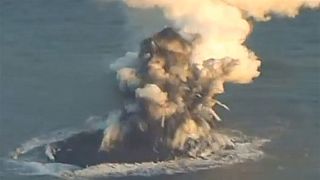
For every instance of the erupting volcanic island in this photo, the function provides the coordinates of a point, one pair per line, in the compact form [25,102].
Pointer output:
[169,123]
[169,110]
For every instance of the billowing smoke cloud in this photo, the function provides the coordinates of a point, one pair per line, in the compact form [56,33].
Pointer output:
[263,8]
[173,82]
[223,27]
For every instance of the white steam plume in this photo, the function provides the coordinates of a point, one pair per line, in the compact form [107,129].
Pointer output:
[223,27]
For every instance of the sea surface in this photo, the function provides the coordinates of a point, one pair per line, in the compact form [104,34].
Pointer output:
[55,56]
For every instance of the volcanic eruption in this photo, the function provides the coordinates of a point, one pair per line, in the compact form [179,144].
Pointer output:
[172,84]
[172,99]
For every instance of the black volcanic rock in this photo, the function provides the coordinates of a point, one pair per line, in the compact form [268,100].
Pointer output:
[83,150]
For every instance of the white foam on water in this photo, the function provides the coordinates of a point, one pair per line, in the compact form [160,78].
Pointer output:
[93,122]
[25,168]
[243,152]
[44,139]
[246,149]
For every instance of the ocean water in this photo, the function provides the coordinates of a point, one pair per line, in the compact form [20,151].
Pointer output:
[55,56]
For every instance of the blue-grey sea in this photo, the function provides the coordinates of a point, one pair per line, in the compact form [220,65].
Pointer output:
[55,56]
